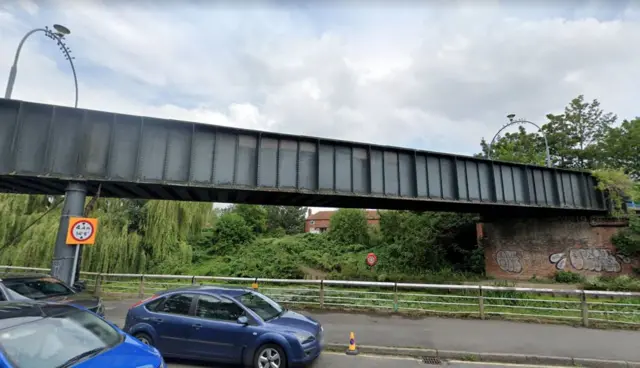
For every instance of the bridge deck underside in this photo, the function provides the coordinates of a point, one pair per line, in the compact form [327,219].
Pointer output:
[45,146]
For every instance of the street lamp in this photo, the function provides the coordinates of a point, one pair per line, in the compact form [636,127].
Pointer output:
[513,121]
[57,34]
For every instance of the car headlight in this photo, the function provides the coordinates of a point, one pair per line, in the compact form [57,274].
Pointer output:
[304,337]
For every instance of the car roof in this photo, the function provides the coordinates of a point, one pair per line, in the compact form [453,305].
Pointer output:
[22,276]
[20,312]
[231,291]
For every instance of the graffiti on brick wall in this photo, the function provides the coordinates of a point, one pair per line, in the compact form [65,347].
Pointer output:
[509,261]
[589,259]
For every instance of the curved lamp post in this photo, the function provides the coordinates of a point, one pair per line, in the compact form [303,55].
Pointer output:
[57,34]
[513,121]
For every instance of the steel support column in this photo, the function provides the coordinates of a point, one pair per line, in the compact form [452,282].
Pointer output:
[62,264]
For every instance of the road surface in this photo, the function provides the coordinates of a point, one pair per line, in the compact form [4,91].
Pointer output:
[336,360]
[490,336]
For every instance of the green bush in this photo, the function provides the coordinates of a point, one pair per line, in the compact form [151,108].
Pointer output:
[617,283]
[567,277]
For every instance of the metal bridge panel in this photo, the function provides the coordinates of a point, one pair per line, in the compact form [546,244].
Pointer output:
[178,151]
[287,164]
[124,148]
[204,139]
[153,150]
[224,158]
[246,164]
[326,167]
[390,174]
[31,140]
[448,173]
[406,175]
[65,142]
[95,150]
[422,189]
[343,169]
[268,162]
[360,165]
[473,180]
[521,192]
[539,187]
[307,167]
[8,123]
[484,178]
[377,172]
[461,190]
[433,177]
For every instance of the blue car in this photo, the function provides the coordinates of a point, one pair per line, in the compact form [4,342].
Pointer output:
[225,325]
[36,334]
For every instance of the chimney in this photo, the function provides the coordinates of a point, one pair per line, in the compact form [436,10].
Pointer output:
[308,212]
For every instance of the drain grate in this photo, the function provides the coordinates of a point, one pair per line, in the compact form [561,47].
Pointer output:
[431,360]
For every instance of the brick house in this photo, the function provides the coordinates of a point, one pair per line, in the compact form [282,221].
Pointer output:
[319,222]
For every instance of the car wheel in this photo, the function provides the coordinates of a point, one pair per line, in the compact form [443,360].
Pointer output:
[144,338]
[270,356]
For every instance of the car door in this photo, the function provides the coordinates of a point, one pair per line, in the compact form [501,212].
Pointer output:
[217,335]
[172,323]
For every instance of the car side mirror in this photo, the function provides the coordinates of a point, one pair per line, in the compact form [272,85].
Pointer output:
[79,286]
[243,320]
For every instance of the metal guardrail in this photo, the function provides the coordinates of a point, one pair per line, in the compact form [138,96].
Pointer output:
[585,307]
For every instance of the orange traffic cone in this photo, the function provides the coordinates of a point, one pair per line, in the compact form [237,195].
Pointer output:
[352,350]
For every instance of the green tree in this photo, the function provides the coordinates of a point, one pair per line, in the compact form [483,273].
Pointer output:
[620,148]
[349,226]
[231,231]
[523,147]
[254,216]
[288,218]
[575,134]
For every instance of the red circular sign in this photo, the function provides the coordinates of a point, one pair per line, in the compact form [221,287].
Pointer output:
[372,259]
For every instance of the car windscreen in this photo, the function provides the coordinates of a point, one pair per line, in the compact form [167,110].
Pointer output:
[58,341]
[40,288]
[262,305]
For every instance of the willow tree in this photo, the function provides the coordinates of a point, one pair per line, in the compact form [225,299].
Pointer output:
[167,228]
[157,242]
[27,230]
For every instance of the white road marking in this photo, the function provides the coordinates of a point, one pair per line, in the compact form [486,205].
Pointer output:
[505,364]
[371,356]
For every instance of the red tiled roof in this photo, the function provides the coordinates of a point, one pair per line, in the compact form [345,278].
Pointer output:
[326,215]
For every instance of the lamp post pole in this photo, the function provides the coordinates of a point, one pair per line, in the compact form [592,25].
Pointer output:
[57,34]
[66,258]
[513,121]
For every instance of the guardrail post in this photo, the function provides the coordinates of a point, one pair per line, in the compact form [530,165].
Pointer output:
[97,288]
[193,280]
[395,297]
[321,293]
[141,287]
[481,302]
[585,309]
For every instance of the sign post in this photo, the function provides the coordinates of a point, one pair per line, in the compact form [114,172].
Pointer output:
[82,231]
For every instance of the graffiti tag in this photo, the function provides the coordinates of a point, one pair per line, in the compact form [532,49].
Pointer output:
[509,261]
[589,259]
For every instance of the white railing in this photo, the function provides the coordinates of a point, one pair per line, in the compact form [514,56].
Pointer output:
[586,307]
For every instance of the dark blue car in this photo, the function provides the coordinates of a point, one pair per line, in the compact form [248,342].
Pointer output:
[225,325]
[36,334]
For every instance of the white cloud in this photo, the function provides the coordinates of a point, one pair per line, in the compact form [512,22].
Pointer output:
[437,77]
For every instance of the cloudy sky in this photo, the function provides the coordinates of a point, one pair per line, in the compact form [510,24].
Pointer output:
[435,75]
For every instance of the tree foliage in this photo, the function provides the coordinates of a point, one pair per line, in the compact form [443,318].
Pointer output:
[349,226]
[520,147]
[254,216]
[584,136]
[574,135]
[285,219]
